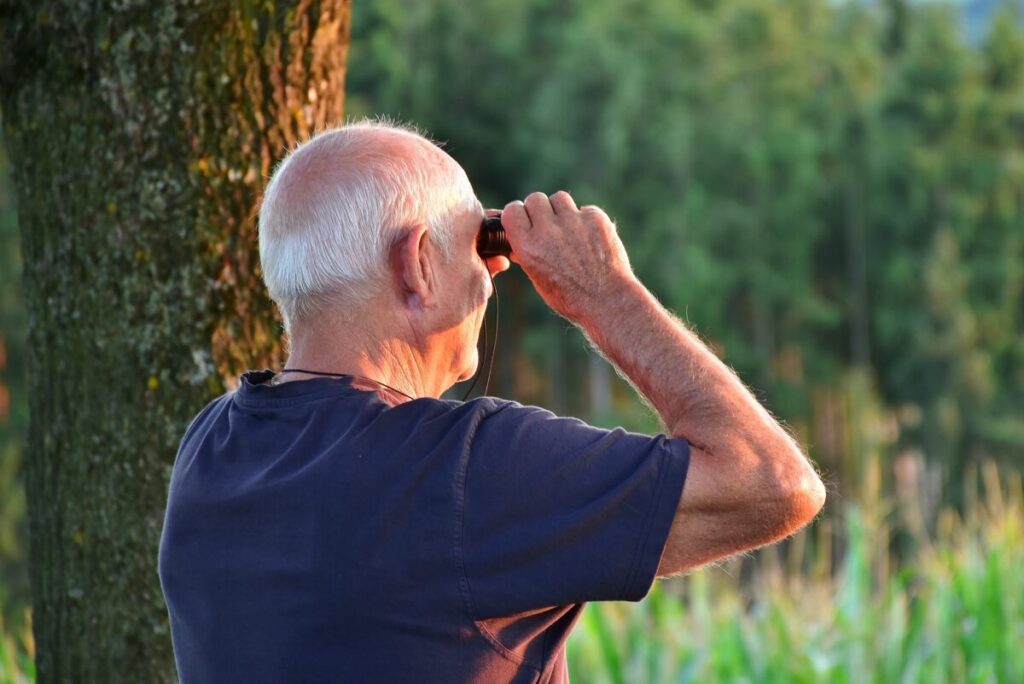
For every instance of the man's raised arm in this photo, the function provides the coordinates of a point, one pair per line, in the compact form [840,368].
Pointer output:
[748,483]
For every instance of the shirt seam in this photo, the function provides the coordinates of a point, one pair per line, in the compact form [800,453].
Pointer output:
[459,551]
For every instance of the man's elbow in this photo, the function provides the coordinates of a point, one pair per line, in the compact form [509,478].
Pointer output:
[808,498]
[800,494]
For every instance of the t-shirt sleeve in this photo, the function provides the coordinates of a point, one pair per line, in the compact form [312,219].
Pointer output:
[556,511]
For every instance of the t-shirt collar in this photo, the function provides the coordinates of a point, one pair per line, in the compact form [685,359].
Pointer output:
[255,385]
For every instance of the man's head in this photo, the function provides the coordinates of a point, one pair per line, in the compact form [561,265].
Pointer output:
[335,205]
[374,220]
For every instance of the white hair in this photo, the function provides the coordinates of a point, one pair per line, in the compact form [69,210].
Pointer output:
[336,204]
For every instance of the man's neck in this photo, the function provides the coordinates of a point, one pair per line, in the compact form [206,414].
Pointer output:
[391,361]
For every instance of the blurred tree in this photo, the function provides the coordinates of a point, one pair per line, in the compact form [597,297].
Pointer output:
[831,193]
[140,134]
[948,213]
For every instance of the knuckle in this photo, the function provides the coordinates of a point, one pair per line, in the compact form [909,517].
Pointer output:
[512,217]
[535,197]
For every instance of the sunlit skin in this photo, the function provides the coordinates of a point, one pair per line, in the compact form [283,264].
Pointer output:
[419,334]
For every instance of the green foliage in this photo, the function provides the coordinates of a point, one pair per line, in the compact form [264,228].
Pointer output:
[814,186]
[954,613]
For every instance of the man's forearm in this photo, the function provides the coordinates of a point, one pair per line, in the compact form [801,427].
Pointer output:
[747,482]
[696,395]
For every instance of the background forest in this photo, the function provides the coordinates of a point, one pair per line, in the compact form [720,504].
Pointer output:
[832,195]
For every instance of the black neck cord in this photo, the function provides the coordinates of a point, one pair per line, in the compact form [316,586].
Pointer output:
[494,347]
[343,375]
[476,376]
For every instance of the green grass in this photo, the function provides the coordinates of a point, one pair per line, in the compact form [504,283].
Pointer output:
[953,611]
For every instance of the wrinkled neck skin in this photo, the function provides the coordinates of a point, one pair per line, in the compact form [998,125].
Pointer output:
[376,343]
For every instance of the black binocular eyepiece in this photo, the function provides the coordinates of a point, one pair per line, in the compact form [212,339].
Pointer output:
[492,241]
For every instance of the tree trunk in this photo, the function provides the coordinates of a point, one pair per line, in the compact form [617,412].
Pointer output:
[141,133]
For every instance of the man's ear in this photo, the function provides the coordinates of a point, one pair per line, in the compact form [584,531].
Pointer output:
[413,268]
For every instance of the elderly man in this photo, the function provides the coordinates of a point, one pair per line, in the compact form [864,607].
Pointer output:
[340,522]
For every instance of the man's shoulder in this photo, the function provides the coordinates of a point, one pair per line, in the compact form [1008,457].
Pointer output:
[212,408]
[455,410]
[496,418]
[487,404]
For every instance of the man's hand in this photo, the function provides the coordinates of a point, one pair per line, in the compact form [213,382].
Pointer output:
[573,256]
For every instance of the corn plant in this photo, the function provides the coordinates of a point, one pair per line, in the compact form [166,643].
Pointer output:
[953,612]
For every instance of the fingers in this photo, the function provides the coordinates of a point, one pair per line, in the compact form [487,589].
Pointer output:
[563,203]
[514,217]
[592,209]
[539,210]
[538,206]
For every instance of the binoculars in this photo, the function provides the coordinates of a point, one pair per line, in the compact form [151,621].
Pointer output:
[492,241]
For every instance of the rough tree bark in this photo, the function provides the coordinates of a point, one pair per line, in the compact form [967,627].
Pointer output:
[141,132]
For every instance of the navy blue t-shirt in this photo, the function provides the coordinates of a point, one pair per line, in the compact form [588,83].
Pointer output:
[315,533]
